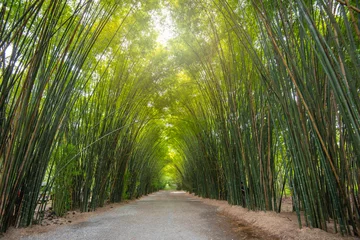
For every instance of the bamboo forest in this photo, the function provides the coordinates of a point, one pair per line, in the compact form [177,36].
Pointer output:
[245,101]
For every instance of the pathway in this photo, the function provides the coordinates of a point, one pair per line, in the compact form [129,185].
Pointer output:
[167,215]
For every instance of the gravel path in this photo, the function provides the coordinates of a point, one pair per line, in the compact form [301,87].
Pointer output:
[162,215]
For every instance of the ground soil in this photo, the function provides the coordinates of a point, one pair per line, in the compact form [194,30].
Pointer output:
[257,225]
[52,222]
[160,216]
[282,225]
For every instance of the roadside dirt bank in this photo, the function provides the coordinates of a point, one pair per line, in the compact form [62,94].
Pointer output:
[51,222]
[282,225]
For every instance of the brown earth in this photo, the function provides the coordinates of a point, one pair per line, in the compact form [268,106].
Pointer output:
[283,225]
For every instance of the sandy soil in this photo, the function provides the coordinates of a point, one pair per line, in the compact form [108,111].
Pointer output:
[283,225]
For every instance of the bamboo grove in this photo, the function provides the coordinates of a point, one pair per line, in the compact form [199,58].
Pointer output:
[74,82]
[276,107]
[249,101]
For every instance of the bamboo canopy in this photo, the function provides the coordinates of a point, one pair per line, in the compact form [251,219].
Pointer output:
[249,102]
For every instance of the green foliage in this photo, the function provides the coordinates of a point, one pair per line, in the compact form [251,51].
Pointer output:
[250,101]
[276,106]
[47,44]
[62,190]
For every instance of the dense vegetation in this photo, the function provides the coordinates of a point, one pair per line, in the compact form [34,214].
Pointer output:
[247,101]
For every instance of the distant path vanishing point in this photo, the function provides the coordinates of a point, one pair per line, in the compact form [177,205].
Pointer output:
[169,215]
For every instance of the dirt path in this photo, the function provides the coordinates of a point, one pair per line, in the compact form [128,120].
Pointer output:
[162,215]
